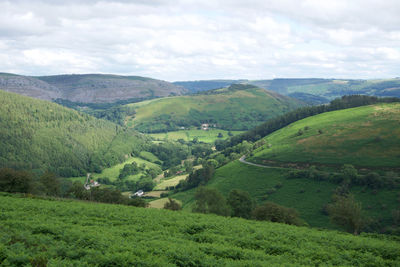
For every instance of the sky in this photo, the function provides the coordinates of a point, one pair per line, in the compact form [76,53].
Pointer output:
[180,40]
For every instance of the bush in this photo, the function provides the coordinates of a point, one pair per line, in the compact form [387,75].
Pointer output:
[210,201]
[277,213]
[172,205]
[15,181]
[346,212]
[241,203]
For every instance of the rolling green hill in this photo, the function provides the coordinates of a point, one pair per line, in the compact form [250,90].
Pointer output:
[367,136]
[70,233]
[237,107]
[37,134]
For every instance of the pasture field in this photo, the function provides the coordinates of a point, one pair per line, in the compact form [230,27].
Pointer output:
[307,196]
[39,232]
[149,156]
[113,172]
[367,136]
[165,183]
[188,135]
[159,203]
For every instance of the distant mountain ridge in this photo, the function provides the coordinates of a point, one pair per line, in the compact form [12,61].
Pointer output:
[88,88]
[310,90]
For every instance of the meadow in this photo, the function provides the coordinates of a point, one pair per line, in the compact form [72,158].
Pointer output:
[41,232]
[208,136]
[165,183]
[113,172]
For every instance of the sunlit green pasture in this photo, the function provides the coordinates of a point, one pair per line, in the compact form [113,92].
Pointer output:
[165,183]
[208,136]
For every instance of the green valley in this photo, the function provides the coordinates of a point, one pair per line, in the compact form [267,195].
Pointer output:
[307,162]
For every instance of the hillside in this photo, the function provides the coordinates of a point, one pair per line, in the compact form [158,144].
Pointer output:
[88,88]
[70,233]
[237,107]
[367,136]
[37,134]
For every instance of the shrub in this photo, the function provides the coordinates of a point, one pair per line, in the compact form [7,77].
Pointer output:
[172,205]
[277,213]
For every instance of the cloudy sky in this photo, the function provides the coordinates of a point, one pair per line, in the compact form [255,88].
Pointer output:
[202,39]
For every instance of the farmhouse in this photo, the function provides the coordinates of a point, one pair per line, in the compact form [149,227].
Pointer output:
[138,194]
[205,126]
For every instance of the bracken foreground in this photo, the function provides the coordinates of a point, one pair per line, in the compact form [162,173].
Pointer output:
[42,232]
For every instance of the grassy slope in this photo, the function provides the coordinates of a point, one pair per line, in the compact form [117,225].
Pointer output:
[306,196]
[188,135]
[165,183]
[359,126]
[226,107]
[365,136]
[71,233]
[38,134]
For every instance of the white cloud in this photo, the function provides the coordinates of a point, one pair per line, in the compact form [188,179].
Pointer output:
[190,39]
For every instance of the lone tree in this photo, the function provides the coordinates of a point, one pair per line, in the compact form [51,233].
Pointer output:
[346,212]
[276,213]
[210,201]
[172,205]
[240,203]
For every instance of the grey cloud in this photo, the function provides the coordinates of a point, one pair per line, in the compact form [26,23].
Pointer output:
[188,39]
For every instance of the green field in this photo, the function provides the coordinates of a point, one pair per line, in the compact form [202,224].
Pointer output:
[367,136]
[233,108]
[159,203]
[37,232]
[113,172]
[165,183]
[208,136]
[306,196]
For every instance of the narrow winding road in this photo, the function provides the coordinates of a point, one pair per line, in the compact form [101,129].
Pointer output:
[243,160]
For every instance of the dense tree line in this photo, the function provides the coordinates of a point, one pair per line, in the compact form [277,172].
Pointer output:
[279,122]
[349,175]
[115,111]
[239,204]
[48,184]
